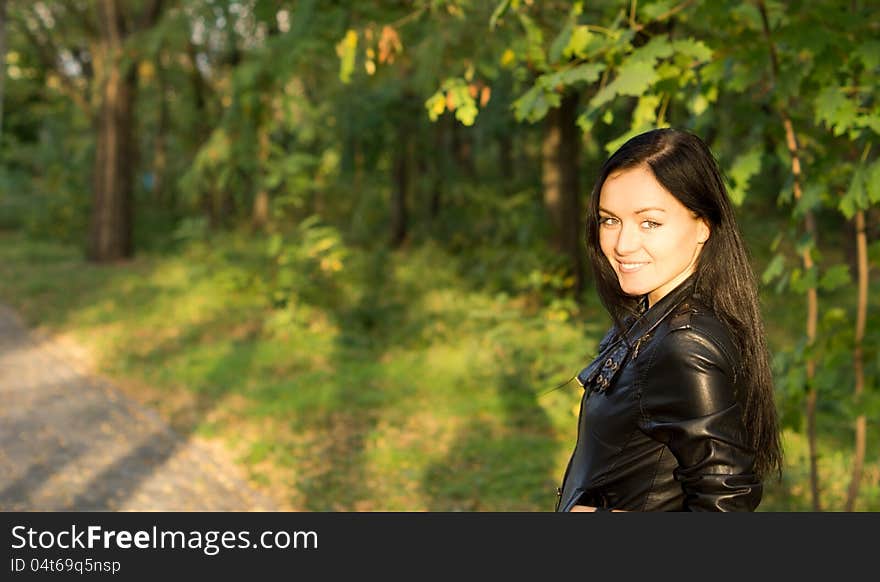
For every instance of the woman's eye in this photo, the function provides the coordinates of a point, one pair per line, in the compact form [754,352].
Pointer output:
[649,224]
[607,221]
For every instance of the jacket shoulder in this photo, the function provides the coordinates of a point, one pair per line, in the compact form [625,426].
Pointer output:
[692,367]
[693,321]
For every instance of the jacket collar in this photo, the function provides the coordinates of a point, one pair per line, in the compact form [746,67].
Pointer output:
[599,374]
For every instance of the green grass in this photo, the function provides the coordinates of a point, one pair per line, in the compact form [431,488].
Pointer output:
[409,392]
[395,383]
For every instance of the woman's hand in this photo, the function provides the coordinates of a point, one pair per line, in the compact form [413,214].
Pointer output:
[588,509]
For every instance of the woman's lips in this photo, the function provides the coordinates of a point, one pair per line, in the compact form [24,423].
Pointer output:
[630,267]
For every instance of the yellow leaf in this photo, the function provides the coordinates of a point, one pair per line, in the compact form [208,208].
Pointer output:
[507,58]
[436,104]
[146,70]
[348,42]
[345,49]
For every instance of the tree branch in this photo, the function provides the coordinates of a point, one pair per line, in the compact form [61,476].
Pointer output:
[806,256]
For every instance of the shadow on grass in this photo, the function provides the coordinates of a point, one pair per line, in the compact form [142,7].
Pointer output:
[486,462]
[371,328]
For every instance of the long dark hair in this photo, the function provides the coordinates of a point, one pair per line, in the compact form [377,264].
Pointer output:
[685,166]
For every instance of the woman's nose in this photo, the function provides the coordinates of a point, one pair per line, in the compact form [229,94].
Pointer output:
[627,240]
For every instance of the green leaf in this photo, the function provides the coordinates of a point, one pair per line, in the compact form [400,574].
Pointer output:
[872,182]
[498,13]
[869,53]
[465,105]
[776,240]
[699,104]
[560,44]
[871,121]
[668,70]
[774,268]
[801,283]
[534,42]
[645,113]
[835,110]
[810,199]
[743,168]
[633,78]
[578,42]
[856,197]
[836,276]
[535,103]
[834,316]
[657,48]
[466,114]
[585,121]
[748,14]
[585,73]
[696,49]
[650,11]
[614,144]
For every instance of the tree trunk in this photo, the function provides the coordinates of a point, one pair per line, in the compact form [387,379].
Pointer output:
[110,233]
[260,211]
[112,220]
[858,361]
[260,217]
[559,153]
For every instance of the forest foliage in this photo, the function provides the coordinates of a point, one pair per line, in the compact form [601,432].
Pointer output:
[320,155]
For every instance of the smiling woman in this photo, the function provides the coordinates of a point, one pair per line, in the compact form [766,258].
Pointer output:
[650,239]
[678,411]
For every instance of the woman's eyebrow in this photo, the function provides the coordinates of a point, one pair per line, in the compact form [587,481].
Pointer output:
[637,211]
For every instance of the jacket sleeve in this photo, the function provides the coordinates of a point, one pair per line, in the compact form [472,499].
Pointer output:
[689,404]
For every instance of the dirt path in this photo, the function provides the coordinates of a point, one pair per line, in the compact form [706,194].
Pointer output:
[71,442]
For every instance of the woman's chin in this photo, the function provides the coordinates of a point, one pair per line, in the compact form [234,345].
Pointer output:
[632,290]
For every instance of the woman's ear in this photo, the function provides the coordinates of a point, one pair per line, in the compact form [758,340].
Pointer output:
[704,231]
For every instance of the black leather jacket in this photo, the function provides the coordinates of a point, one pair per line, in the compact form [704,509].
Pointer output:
[660,426]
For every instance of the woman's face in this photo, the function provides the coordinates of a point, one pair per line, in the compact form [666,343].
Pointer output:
[651,240]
